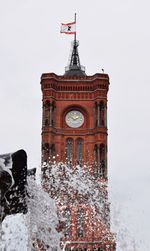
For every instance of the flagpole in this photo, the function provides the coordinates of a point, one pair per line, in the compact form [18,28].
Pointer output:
[75,31]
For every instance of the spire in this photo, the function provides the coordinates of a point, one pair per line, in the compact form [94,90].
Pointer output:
[74,68]
[75,61]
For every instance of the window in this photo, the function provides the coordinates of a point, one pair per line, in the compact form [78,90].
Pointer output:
[102,113]
[67,222]
[79,151]
[47,113]
[46,149]
[69,151]
[100,160]
[46,122]
[99,249]
[80,222]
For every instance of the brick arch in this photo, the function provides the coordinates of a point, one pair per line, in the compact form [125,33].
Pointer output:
[79,138]
[78,108]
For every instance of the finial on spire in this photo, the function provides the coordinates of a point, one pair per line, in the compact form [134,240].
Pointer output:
[75,17]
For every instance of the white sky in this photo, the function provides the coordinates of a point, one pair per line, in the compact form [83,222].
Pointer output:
[113,35]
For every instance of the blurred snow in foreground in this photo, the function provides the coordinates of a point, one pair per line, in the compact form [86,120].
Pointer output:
[18,231]
[14,236]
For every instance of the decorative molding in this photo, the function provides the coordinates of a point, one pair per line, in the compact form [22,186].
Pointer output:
[61,99]
[74,134]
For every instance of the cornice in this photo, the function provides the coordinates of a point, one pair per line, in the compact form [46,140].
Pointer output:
[52,89]
[97,76]
[63,99]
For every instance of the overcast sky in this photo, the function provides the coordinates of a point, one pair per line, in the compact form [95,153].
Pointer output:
[113,35]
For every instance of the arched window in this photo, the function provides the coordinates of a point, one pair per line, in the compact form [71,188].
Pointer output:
[80,222]
[69,151]
[79,151]
[67,218]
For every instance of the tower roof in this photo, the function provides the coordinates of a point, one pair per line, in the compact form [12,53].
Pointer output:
[74,68]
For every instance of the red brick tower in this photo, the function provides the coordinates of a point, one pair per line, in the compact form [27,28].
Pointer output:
[74,131]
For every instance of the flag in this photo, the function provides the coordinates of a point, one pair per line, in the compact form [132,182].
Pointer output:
[69,28]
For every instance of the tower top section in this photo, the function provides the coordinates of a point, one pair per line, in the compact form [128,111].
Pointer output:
[74,68]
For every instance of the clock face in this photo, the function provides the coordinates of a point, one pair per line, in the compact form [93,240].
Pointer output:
[74,119]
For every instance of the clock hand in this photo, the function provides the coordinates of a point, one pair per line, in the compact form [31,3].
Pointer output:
[74,118]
